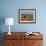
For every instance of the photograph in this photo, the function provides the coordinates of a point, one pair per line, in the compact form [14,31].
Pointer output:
[27,15]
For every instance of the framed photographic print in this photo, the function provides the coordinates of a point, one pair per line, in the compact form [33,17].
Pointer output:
[27,15]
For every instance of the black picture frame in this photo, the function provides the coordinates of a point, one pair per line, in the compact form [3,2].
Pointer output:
[27,16]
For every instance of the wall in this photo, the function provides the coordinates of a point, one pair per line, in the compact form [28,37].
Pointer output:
[9,8]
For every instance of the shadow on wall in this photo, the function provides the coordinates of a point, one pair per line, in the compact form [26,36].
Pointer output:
[2,21]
